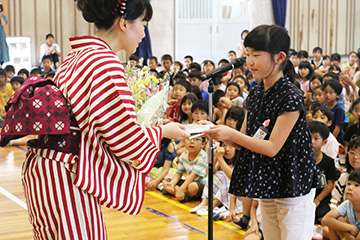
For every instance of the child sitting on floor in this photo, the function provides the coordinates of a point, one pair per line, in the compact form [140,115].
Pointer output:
[343,222]
[224,157]
[319,134]
[181,88]
[192,162]
[324,115]
[163,164]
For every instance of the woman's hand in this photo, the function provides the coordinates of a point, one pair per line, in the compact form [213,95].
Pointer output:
[219,132]
[174,131]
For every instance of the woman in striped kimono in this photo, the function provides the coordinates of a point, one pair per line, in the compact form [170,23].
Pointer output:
[104,159]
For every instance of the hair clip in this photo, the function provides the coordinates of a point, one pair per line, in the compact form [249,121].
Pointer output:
[123,8]
[120,7]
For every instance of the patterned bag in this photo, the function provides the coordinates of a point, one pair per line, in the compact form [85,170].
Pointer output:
[37,108]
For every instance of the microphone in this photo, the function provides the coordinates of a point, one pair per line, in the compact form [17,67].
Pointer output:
[235,63]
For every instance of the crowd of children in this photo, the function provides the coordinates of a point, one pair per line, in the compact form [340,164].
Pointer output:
[330,92]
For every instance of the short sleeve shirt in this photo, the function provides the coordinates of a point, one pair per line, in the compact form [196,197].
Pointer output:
[293,171]
[339,118]
[5,95]
[175,112]
[339,191]
[198,166]
[165,154]
[328,172]
[347,209]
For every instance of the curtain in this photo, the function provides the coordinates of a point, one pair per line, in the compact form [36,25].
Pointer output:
[279,8]
[144,49]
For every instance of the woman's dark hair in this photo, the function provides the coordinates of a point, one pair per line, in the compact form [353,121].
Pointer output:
[272,39]
[101,12]
[236,113]
[192,98]
[354,144]
[306,64]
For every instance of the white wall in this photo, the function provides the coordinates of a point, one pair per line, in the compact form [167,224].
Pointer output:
[161,27]
[261,13]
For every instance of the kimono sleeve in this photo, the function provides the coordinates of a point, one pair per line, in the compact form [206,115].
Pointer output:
[113,124]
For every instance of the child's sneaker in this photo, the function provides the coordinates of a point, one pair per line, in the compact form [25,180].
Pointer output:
[160,186]
[317,233]
[197,208]
[202,212]
[220,213]
[243,222]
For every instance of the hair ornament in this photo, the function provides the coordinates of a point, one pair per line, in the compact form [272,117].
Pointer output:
[120,7]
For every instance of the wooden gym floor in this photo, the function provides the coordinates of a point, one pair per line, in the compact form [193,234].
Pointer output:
[161,216]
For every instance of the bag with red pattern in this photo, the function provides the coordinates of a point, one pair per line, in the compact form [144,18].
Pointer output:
[37,108]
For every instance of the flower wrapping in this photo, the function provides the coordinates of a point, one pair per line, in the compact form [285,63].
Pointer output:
[149,94]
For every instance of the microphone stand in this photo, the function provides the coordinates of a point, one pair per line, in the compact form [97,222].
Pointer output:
[210,166]
[210,153]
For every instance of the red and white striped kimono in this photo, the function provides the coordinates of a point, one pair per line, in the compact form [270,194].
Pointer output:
[64,191]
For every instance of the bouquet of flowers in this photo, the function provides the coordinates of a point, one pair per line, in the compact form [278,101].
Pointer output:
[149,93]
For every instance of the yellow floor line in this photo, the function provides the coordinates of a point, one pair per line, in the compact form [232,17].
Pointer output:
[186,208]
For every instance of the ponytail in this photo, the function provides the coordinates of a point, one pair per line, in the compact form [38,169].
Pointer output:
[289,70]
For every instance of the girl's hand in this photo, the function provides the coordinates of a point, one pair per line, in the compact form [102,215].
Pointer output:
[254,229]
[174,131]
[345,80]
[225,102]
[354,230]
[152,185]
[179,194]
[172,101]
[219,152]
[169,187]
[219,132]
